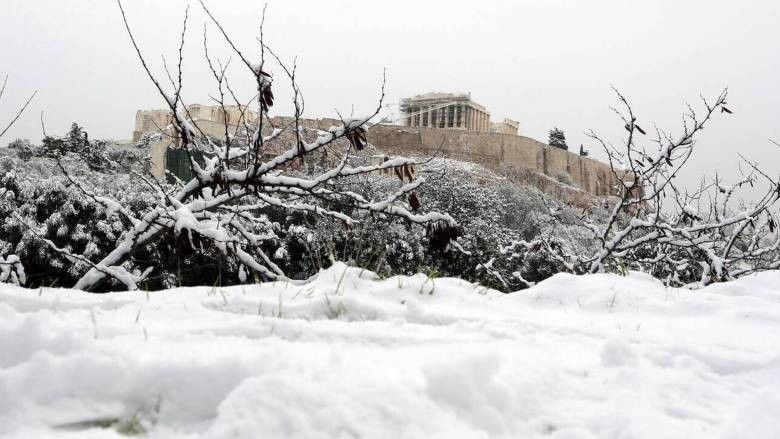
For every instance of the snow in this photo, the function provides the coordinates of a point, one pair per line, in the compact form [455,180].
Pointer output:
[691,211]
[350,355]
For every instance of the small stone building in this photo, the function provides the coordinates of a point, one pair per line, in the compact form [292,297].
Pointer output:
[211,119]
[165,150]
[506,126]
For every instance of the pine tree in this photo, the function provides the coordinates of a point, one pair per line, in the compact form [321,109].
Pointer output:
[558,139]
[77,137]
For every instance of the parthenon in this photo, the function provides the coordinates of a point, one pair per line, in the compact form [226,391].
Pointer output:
[445,110]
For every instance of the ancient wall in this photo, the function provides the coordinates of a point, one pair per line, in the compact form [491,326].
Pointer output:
[497,150]
[319,124]
[494,150]
[157,150]
[150,121]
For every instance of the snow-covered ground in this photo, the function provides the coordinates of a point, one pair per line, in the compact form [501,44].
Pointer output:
[351,356]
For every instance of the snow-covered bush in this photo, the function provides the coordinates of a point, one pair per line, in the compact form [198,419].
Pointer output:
[23,147]
[491,209]
[565,178]
[684,237]
[99,155]
[37,201]
[148,139]
[227,206]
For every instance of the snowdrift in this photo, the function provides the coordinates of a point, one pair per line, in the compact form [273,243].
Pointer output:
[349,355]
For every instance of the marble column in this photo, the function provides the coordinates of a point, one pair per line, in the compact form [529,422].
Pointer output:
[455,115]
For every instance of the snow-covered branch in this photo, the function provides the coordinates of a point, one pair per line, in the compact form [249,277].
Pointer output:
[683,237]
[18,113]
[238,180]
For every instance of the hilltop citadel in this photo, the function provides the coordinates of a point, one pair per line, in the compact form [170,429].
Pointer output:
[448,123]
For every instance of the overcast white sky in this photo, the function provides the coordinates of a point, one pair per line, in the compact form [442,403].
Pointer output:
[543,62]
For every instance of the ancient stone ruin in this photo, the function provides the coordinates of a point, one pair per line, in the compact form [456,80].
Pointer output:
[448,124]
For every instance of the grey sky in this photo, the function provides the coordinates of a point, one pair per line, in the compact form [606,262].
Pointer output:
[544,62]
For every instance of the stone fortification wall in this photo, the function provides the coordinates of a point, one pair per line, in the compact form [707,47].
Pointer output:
[497,150]
[494,150]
